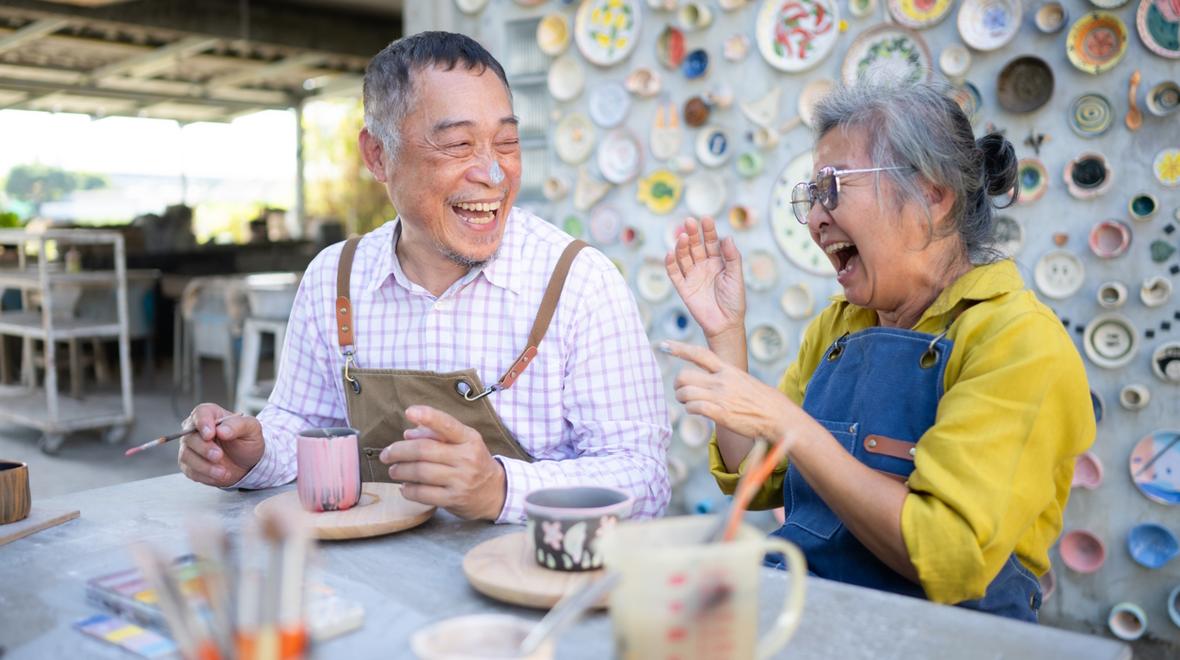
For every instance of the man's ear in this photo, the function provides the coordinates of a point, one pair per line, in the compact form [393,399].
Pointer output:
[373,153]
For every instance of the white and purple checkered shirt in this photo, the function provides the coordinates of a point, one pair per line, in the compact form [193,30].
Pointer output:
[590,408]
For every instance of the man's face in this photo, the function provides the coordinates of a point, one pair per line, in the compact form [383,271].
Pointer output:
[457,171]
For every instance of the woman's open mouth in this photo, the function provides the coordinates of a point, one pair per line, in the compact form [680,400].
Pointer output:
[844,257]
[477,214]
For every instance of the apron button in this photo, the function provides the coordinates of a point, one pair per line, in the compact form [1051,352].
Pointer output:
[913,451]
[344,328]
[344,310]
[871,443]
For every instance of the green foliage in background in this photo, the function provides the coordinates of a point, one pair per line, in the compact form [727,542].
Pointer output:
[336,184]
[37,184]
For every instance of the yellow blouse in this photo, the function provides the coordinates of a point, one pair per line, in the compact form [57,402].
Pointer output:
[993,474]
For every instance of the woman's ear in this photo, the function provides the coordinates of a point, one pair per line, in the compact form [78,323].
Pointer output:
[939,199]
[373,153]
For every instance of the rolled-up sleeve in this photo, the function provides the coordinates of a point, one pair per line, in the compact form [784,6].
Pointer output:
[1016,415]
[304,396]
[612,397]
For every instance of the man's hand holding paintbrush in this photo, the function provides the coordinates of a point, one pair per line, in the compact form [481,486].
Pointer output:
[223,447]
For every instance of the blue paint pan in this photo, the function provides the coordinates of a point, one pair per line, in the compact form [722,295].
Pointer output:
[1152,545]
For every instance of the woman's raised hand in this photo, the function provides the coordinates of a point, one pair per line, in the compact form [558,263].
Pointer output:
[707,274]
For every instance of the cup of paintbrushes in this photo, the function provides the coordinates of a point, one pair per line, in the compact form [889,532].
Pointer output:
[329,472]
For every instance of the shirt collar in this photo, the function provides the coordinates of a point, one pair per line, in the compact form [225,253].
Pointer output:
[498,271]
[980,283]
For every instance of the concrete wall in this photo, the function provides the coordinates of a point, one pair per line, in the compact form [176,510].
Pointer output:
[1081,601]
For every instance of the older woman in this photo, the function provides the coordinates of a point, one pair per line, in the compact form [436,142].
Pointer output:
[934,411]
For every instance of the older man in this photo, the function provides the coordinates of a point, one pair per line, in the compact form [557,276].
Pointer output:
[397,334]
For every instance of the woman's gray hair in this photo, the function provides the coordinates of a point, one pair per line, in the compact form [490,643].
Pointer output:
[389,86]
[919,128]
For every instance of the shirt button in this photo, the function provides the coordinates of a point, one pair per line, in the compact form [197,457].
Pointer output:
[441,305]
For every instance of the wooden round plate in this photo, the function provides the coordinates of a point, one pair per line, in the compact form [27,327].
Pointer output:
[382,510]
[503,569]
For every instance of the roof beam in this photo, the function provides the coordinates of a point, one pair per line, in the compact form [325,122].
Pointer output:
[266,70]
[156,60]
[40,87]
[32,32]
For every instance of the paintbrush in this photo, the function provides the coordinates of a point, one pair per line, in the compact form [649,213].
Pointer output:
[169,438]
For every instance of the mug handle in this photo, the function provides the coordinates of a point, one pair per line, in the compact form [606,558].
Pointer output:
[788,619]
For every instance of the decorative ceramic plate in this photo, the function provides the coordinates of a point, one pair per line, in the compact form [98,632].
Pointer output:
[643,82]
[797,301]
[694,430]
[1167,167]
[969,99]
[1165,362]
[566,78]
[1007,235]
[1096,42]
[989,24]
[1090,115]
[620,156]
[608,104]
[1159,32]
[660,191]
[1025,84]
[678,325]
[471,6]
[651,280]
[811,94]
[606,223]
[666,134]
[1155,466]
[606,31]
[1033,180]
[761,270]
[1110,340]
[887,52]
[553,34]
[919,14]
[1163,99]
[1059,274]
[670,48]
[767,343]
[705,194]
[861,8]
[574,138]
[1051,17]
[793,238]
[713,146]
[795,36]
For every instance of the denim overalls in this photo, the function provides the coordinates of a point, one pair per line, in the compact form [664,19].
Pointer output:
[877,392]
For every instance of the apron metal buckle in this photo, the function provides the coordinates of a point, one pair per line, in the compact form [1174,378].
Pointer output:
[464,389]
[356,385]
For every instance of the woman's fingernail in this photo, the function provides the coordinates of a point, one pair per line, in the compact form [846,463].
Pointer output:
[665,347]
[219,473]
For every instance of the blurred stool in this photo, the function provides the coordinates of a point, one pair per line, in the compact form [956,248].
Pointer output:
[213,309]
[253,393]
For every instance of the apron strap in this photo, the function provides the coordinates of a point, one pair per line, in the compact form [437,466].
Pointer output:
[344,319]
[541,323]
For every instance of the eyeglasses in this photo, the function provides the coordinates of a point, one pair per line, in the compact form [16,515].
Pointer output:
[825,189]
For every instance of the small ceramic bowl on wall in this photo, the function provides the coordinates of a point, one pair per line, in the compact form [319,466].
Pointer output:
[1163,99]
[1134,397]
[1165,362]
[1110,239]
[565,524]
[1152,545]
[1110,340]
[1155,291]
[1174,606]
[1087,472]
[1088,176]
[1112,295]
[1051,17]
[1082,551]
[1142,207]
[1127,621]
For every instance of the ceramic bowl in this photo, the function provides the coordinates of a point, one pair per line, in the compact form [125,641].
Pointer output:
[713,146]
[1099,406]
[696,112]
[1110,340]
[1082,551]
[953,61]
[761,270]
[1112,295]
[767,343]
[1163,99]
[1090,115]
[1007,235]
[566,78]
[553,34]
[670,49]
[741,217]
[1134,397]
[1087,472]
[736,48]
[1025,84]
[797,301]
[749,164]
[643,82]
[1127,621]
[988,24]
[677,324]
[1151,545]
[1051,17]
[1096,42]
[1089,175]
[695,64]
[1165,362]
[1174,606]
[1143,206]
[608,104]
[651,280]
[565,524]
[694,430]
[1033,180]
[1155,291]
[1110,239]
[1048,585]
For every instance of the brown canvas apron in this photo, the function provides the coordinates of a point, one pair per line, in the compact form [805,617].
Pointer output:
[377,398]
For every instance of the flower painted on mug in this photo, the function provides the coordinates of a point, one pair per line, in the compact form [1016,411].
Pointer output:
[553,534]
[605,525]
[575,540]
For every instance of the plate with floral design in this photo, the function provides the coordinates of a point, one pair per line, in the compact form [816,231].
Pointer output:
[795,35]
[1158,22]
[606,31]
[887,52]
[1097,42]
[989,24]
[1167,167]
[919,14]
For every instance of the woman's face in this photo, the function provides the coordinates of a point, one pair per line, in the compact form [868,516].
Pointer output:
[883,256]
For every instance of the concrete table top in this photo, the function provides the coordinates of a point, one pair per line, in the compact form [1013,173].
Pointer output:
[408,580]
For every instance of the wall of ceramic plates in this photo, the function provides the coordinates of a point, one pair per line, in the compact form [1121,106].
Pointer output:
[637,113]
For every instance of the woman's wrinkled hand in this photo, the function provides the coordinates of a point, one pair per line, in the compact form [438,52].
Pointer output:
[707,274]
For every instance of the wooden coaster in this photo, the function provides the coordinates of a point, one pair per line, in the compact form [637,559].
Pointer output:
[37,520]
[503,568]
[382,510]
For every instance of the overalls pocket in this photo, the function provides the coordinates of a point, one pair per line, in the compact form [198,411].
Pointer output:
[805,509]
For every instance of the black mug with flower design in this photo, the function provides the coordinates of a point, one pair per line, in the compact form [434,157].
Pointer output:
[566,524]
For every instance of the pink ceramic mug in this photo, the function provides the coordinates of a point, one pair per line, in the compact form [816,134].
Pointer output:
[329,469]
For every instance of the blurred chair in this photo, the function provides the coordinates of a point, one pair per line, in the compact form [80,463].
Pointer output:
[270,296]
[213,310]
